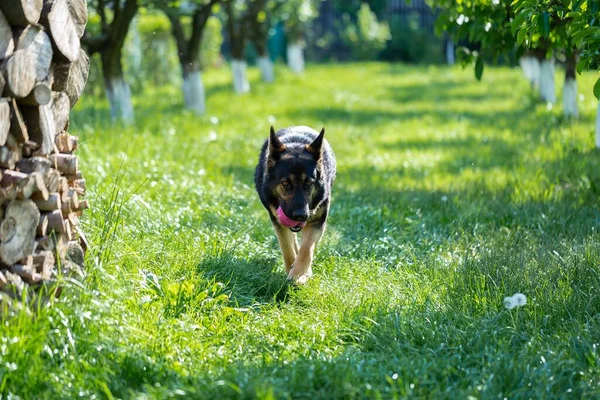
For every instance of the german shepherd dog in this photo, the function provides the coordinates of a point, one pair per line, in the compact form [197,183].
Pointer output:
[293,178]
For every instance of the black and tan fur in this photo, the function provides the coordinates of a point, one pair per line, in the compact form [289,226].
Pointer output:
[296,170]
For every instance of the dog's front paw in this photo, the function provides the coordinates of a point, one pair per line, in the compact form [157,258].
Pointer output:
[299,276]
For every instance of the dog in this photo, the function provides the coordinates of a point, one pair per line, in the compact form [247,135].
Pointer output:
[294,177]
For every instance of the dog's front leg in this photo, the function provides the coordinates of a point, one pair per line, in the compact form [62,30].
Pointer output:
[288,244]
[302,268]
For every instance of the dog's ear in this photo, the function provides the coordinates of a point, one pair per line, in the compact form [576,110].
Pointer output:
[315,148]
[275,145]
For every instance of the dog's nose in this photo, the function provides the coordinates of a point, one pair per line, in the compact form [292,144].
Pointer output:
[299,215]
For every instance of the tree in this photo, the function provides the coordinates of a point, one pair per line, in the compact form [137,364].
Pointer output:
[550,24]
[483,23]
[297,16]
[115,19]
[237,30]
[259,17]
[587,40]
[189,48]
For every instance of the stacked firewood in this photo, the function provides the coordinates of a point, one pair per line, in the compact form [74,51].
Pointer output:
[43,73]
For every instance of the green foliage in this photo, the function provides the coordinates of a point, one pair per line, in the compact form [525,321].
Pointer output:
[480,22]
[152,54]
[572,26]
[296,16]
[411,42]
[212,39]
[153,23]
[450,196]
[366,37]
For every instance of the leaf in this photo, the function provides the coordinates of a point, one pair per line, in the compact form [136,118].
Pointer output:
[597,89]
[521,36]
[582,65]
[576,4]
[479,67]
[517,22]
[545,24]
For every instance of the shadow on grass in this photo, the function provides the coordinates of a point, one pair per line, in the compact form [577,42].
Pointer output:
[249,279]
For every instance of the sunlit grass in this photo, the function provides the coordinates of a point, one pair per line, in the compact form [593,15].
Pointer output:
[451,195]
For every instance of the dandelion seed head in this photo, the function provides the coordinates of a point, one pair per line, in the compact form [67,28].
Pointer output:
[509,303]
[516,300]
[519,299]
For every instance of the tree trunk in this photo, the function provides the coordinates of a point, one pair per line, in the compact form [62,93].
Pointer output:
[117,89]
[110,47]
[570,89]
[193,90]
[189,57]
[295,57]
[266,69]
[240,79]
[119,98]
[598,126]
[547,85]
[531,69]
[450,55]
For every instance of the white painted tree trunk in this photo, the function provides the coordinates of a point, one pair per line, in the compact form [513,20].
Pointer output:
[134,47]
[240,78]
[266,69]
[119,98]
[450,55]
[295,57]
[598,126]
[547,85]
[193,92]
[570,98]
[531,69]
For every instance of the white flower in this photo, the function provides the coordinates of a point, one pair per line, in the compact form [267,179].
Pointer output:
[509,303]
[461,19]
[519,299]
[488,26]
[214,120]
[495,2]
[516,300]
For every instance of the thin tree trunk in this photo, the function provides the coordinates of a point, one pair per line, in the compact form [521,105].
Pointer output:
[547,84]
[570,88]
[109,44]
[237,39]
[240,78]
[117,89]
[193,90]
[295,56]
[264,61]
[266,69]
[450,55]
[598,126]
[531,69]
[189,57]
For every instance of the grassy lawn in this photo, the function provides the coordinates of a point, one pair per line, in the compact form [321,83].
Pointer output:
[451,195]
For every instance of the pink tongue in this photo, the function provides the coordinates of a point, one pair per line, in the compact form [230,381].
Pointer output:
[285,221]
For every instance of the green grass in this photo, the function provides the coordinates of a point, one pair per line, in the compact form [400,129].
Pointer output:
[451,195]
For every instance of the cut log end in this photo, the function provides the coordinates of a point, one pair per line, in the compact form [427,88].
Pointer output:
[17,231]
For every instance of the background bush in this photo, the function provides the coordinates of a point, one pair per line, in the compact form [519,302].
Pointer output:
[367,36]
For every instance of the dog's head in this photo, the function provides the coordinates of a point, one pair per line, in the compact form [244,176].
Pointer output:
[295,174]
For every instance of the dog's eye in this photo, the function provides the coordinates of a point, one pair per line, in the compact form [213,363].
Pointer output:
[308,183]
[286,184]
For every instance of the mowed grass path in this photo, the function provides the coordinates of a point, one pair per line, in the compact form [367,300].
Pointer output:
[451,195]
